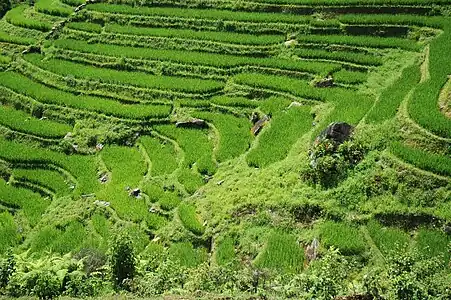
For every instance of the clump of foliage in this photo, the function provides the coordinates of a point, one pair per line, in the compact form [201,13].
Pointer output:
[122,261]
[5,5]
[330,161]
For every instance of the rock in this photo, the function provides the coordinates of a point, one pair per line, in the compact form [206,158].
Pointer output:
[337,132]
[325,82]
[311,252]
[290,43]
[260,124]
[254,117]
[294,104]
[102,203]
[99,147]
[447,229]
[127,188]
[193,123]
[68,135]
[104,178]
[135,193]
[220,182]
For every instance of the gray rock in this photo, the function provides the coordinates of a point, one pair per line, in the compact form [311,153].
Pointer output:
[337,132]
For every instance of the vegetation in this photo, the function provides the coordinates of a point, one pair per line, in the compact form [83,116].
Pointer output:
[194,149]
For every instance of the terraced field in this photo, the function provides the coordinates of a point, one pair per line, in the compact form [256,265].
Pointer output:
[119,116]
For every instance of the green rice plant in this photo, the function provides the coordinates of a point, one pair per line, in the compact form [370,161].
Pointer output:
[197,58]
[81,167]
[101,226]
[393,19]
[53,7]
[344,56]
[423,106]
[438,164]
[391,97]
[362,41]
[195,143]
[49,179]
[326,3]
[432,243]
[4,59]
[225,251]
[127,167]
[388,239]
[155,221]
[282,252]
[31,204]
[190,179]
[168,200]
[162,154]
[67,68]
[297,87]
[85,26]
[14,39]
[73,2]
[16,17]
[20,121]
[350,77]
[234,134]
[227,37]
[348,239]
[44,94]
[199,13]
[285,128]
[234,101]
[8,232]
[190,219]
[186,255]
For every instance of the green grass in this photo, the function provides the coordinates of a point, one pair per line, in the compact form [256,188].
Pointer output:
[234,102]
[140,79]
[432,243]
[186,254]
[8,232]
[53,7]
[348,239]
[439,164]
[85,26]
[342,56]
[227,37]
[225,251]
[234,134]
[282,252]
[50,179]
[44,94]
[190,179]
[14,39]
[350,77]
[196,144]
[32,204]
[16,17]
[197,58]
[392,96]
[20,121]
[284,129]
[168,200]
[81,167]
[161,153]
[388,239]
[188,216]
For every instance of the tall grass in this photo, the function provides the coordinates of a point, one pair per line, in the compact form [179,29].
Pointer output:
[439,164]
[50,179]
[190,179]
[282,252]
[14,39]
[20,121]
[168,200]
[357,2]
[8,232]
[345,56]
[227,37]
[285,128]
[32,204]
[162,155]
[348,239]
[16,17]
[234,134]
[350,77]
[197,58]
[199,13]
[44,94]
[388,239]
[68,68]
[81,167]
[196,144]
[53,7]
[433,243]
[85,26]
[392,96]
[188,216]
[185,254]
[225,251]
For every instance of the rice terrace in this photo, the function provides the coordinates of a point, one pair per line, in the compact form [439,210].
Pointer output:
[225,149]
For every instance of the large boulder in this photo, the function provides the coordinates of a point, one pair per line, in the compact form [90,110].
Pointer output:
[192,123]
[337,132]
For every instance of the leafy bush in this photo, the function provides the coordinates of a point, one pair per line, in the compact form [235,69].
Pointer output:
[122,261]
[7,268]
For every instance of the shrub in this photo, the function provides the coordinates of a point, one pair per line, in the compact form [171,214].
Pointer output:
[7,269]
[189,218]
[47,285]
[122,261]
